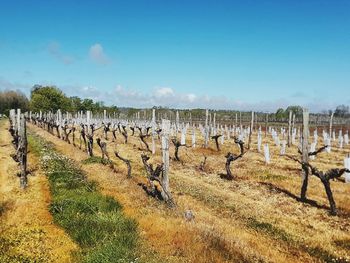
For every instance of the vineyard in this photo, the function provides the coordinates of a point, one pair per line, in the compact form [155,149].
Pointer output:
[150,188]
[174,131]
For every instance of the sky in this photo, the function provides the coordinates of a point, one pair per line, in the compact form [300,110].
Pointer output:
[245,55]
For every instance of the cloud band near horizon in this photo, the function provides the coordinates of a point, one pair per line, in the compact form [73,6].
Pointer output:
[169,97]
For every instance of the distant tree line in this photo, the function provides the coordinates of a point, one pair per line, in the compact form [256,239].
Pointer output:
[10,99]
[51,98]
[342,111]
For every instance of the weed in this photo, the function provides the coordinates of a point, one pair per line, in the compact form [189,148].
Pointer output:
[96,159]
[269,229]
[267,176]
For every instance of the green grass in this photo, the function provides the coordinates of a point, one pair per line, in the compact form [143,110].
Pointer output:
[267,176]
[93,221]
[271,230]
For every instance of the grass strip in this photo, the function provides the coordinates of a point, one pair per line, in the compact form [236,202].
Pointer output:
[94,221]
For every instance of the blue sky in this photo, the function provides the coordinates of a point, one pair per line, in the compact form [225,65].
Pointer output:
[219,54]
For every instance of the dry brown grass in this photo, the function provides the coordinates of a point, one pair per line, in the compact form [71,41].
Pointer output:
[27,231]
[254,218]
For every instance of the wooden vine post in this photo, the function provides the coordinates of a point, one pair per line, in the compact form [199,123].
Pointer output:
[89,133]
[206,130]
[22,150]
[330,125]
[13,129]
[236,121]
[177,122]
[251,129]
[214,121]
[18,120]
[165,158]
[266,123]
[305,154]
[290,128]
[154,131]
[240,119]
[13,118]
[58,123]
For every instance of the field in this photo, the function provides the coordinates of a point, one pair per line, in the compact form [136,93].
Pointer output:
[256,217]
[174,131]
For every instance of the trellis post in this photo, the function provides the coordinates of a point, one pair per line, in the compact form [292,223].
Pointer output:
[305,153]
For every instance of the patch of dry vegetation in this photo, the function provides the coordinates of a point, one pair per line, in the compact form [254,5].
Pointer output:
[255,218]
[27,232]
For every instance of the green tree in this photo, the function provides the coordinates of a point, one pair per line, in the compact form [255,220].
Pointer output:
[49,98]
[87,104]
[99,106]
[11,99]
[297,110]
[342,111]
[76,104]
[280,114]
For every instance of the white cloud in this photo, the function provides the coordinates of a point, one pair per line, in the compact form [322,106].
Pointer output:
[86,92]
[191,97]
[163,92]
[54,50]
[168,97]
[96,54]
